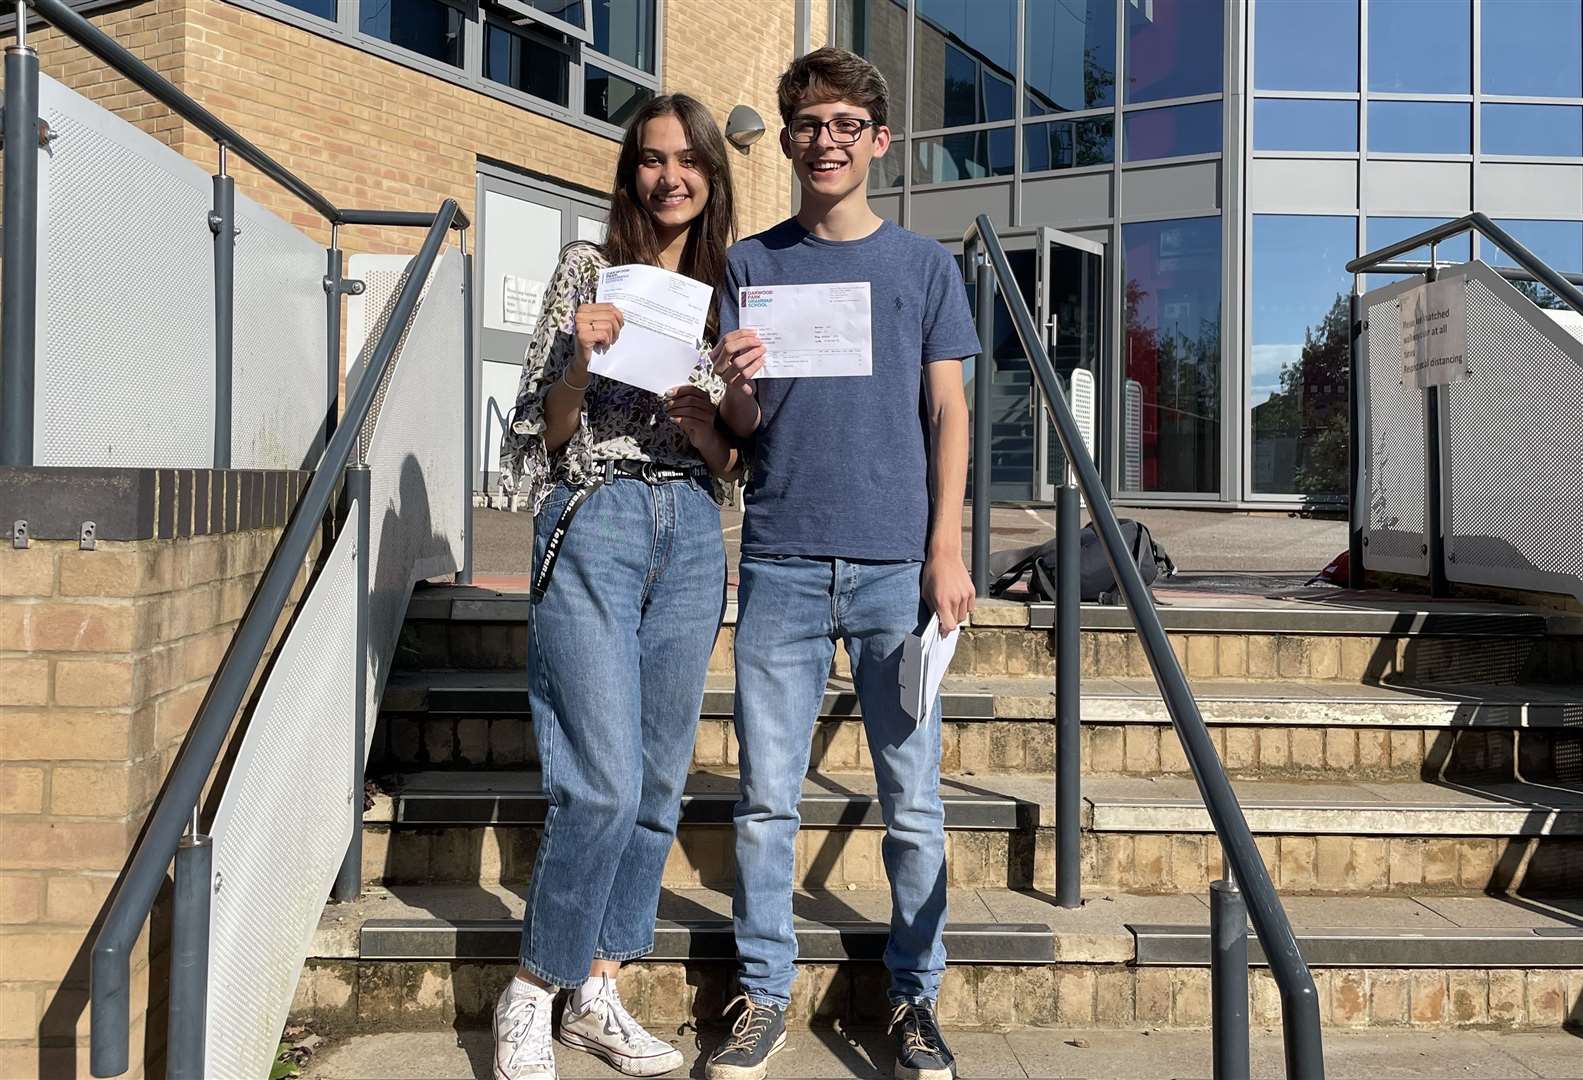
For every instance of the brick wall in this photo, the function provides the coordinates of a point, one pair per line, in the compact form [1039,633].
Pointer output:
[369,132]
[105,656]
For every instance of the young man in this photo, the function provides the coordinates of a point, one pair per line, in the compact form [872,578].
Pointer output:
[853,531]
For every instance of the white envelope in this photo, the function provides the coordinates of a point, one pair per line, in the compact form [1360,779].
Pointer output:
[924,660]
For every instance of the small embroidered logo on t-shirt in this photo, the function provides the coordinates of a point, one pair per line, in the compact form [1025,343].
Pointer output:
[899,304]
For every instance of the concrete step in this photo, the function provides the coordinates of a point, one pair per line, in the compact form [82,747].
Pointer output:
[1140,835]
[1262,730]
[1406,838]
[425,955]
[459,827]
[1087,1053]
[1326,634]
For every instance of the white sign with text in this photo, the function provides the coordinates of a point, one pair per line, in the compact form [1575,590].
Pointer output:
[1434,333]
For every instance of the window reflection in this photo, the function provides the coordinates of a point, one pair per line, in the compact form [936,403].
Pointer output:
[964,56]
[967,155]
[1421,46]
[1420,127]
[1170,437]
[1535,130]
[525,63]
[624,30]
[324,9]
[1533,49]
[1300,355]
[1305,45]
[1069,56]
[1289,124]
[1069,144]
[611,98]
[1175,48]
[426,27]
[1174,131]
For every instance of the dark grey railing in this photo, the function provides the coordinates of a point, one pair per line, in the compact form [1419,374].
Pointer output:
[1530,267]
[1248,882]
[171,831]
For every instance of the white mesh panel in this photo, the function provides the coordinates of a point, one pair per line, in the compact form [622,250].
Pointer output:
[278,387]
[1513,448]
[415,462]
[1394,440]
[125,296]
[283,824]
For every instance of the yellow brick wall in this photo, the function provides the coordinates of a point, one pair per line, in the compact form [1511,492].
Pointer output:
[105,657]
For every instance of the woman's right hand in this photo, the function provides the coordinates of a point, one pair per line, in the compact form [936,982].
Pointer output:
[598,326]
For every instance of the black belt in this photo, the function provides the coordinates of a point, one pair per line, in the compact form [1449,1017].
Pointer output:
[647,471]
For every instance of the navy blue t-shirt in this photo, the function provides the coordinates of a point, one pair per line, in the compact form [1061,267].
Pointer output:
[840,466]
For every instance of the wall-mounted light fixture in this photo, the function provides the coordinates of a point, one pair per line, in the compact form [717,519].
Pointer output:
[744,127]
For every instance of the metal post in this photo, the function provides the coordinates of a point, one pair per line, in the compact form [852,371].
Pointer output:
[1357,486]
[349,882]
[1434,493]
[1228,979]
[983,382]
[189,959]
[470,418]
[20,279]
[333,270]
[1068,699]
[222,222]
[1435,546]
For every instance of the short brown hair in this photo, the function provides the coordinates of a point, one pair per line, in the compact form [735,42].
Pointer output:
[831,74]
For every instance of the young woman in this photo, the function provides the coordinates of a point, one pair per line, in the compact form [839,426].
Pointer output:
[629,579]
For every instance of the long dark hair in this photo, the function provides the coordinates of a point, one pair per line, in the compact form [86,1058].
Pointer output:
[631,237]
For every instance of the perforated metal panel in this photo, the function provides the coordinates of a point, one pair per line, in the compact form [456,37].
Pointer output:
[125,363]
[367,315]
[1394,531]
[415,462]
[283,825]
[279,390]
[1512,447]
[1082,399]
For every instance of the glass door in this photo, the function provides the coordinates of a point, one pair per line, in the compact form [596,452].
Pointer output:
[1070,310]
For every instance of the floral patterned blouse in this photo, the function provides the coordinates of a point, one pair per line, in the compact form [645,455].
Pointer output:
[619,422]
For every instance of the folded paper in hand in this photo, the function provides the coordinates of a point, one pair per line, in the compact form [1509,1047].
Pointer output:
[924,660]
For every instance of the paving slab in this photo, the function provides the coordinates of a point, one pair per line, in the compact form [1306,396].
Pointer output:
[1030,1055]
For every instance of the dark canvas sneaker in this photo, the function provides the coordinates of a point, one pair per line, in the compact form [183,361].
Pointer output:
[921,1053]
[606,1029]
[759,1032]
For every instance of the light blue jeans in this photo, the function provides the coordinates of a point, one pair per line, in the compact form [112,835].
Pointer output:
[618,651]
[791,610]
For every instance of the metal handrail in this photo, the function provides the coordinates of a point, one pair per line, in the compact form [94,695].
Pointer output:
[113,53]
[1379,261]
[492,414]
[168,818]
[1299,999]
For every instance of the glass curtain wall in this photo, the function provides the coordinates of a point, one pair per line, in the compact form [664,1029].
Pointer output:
[1393,83]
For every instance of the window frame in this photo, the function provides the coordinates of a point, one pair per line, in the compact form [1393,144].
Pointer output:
[345,30]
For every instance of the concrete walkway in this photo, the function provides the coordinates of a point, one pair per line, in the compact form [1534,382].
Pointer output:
[1047,1055]
[1200,541]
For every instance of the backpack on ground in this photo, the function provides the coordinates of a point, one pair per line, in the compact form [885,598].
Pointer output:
[1008,567]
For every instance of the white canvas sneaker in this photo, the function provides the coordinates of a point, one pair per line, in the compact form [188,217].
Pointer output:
[523,1018]
[605,1029]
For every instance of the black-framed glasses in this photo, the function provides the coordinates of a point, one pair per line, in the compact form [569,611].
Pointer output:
[844,130]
